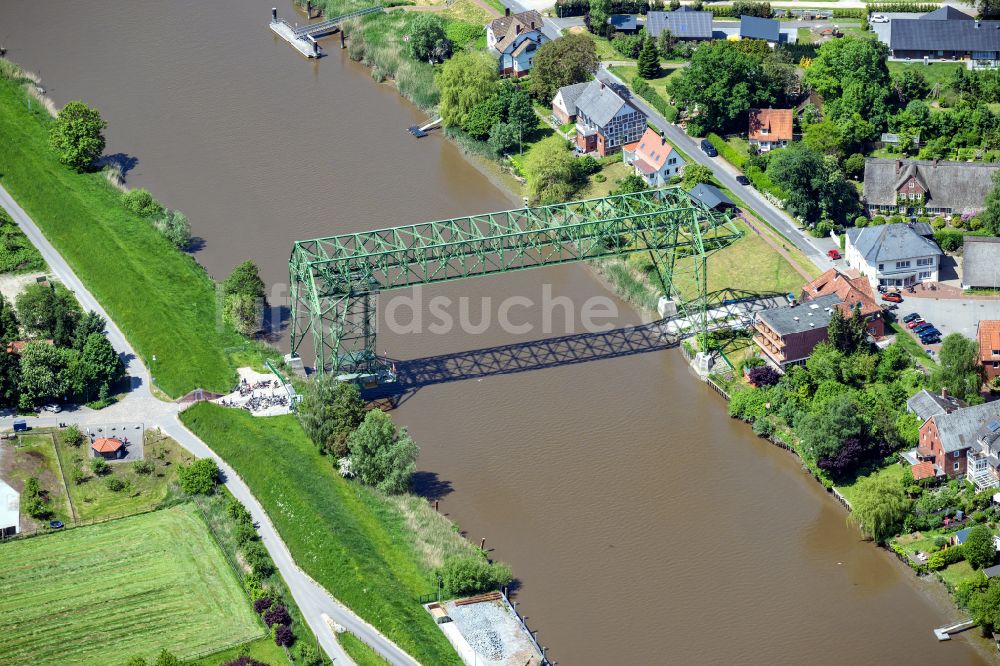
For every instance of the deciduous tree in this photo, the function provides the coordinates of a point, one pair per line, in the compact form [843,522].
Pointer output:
[959,370]
[562,62]
[979,547]
[428,42]
[464,81]
[549,167]
[78,135]
[198,478]
[49,311]
[381,456]
[880,504]
[330,411]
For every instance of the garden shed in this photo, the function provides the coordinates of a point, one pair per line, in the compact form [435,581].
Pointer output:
[109,448]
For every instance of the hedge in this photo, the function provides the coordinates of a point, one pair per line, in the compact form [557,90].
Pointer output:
[851,13]
[763,183]
[728,152]
[565,8]
[916,8]
[645,91]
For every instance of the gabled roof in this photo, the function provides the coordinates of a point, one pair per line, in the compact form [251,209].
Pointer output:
[925,404]
[106,444]
[909,172]
[684,23]
[946,13]
[806,316]
[777,122]
[960,186]
[923,470]
[571,93]
[852,291]
[754,27]
[958,429]
[710,195]
[989,337]
[981,262]
[600,103]
[944,35]
[890,242]
[653,149]
[505,28]
[961,535]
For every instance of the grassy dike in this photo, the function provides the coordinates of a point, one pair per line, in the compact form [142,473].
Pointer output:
[374,553]
[162,299]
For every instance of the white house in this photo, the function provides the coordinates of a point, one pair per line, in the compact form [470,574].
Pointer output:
[893,255]
[10,510]
[514,39]
[653,158]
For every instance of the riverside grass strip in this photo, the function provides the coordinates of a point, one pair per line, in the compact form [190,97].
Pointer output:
[351,540]
[162,299]
[135,586]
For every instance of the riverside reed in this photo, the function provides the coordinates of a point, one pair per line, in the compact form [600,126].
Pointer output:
[162,299]
[374,553]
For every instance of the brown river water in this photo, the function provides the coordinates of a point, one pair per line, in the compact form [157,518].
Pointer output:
[644,525]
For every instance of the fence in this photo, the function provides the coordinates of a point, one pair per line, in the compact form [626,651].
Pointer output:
[524,627]
[717,387]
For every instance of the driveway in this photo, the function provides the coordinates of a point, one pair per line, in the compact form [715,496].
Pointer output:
[950,315]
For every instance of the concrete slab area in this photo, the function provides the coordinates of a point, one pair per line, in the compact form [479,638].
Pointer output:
[951,315]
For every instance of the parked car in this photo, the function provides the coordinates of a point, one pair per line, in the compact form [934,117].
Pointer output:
[742,180]
[930,339]
[916,322]
[928,332]
[878,18]
[910,317]
[833,254]
[52,407]
[893,297]
[921,327]
[708,148]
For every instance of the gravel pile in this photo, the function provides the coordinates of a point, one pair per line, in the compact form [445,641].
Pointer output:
[479,624]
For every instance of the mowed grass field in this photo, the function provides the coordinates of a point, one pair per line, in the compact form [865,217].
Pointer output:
[100,594]
[352,541]
[162,299]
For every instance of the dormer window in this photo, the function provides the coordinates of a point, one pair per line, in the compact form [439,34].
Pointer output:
[764,130]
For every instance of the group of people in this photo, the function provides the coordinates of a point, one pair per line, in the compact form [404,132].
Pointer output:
[257,397]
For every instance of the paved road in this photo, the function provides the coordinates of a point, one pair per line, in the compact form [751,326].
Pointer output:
[140,404]
[813,248]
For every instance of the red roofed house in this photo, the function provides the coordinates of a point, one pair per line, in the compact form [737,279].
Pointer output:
[989,347]
[770,128]
[108,448]
[853,291]
[654,158]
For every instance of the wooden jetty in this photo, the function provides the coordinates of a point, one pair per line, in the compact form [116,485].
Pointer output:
[304,38]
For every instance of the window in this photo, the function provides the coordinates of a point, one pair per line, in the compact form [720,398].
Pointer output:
[956,467]
[902,264]
[954,454]
[881,267]
[996,364]
[996,352]
[927,261]
[925,275]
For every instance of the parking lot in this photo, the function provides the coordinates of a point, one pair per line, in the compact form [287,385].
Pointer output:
[950,315]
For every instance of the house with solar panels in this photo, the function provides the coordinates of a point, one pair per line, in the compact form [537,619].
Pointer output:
[963,443]
[684,24]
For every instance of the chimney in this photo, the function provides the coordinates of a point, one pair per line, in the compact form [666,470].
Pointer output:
[944,393]
[663,138]
[532,25]
[506,11]
[977,25]
[517,29]
[898,164]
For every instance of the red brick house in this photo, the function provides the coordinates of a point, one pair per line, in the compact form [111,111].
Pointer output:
[853,291]
[604,121]
[949,440]
[989,347]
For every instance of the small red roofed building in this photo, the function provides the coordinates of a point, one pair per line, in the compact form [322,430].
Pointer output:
[989,347]
[653,158]
[17,346]
[770,128]
[109,448]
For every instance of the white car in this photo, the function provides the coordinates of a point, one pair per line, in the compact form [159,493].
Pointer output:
[52,407]
[877,18]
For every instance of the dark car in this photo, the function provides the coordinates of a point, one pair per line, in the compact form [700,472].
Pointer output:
[910,317]
[931,339]
[708,148]
[928,332]
[919,329]
[742,180]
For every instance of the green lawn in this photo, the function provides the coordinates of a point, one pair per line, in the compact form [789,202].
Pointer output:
[658,84]
[169,307]
[935,72]
[94,500]
[911,345]
[17,254]
[99,594]
[612,174]
[360,652]
[35,455]
[604,49]
[262,649]
[350,539]
[895,472]
[956,573]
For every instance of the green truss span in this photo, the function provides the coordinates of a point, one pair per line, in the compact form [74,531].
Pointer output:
[335,281]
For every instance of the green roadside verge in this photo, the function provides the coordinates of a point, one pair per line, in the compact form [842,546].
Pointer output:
[163,301]
[358,544]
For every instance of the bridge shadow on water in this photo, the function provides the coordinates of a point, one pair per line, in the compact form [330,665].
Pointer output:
[415,374]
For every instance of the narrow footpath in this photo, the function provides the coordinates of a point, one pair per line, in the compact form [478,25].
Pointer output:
[140,404]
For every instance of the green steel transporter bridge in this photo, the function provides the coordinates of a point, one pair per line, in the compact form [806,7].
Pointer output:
[335,281]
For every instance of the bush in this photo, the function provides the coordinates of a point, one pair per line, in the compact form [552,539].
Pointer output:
[262,604]
[99,466]
[762,427]
[256,556]
[471,574]
[77,475]
[244,660]
[115,484]
[198,478]
[943,558]
[143,467]
[175,228]
[763,375]
[940,542]
[277,614]
[284,636]
[141,202]
[245,534]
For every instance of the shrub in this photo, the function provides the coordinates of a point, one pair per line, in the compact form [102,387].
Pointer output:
[141,202]
[762,427]
[308,655]
[77,475]
[728,153]
[245,534]
[284,636]
[239,513]
[32,501]
[143,467]
[198,478]
[258,559]
[115,484]
[940,542]
[262,604]
[99,466]
[470,574]
[73,436]
[763,375]
[277,614]
[244,660]
[943,558]
[175,228]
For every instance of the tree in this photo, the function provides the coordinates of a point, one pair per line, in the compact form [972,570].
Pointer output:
[854,166]
[101,364]
[49,310]
[330,411]
[141,202]
[243,299]
[484,116]
[89,323]
[665,42]
[630,184]
[850,456]
[462,575]
[198,478]
[990,216]
[880,505]
[600,12]
[909,84]
[822,433]
[521,113]
[815,184]
[823,137]
[427,39]
[465,81]
[78,135]
[549,169]
[381,456]
[503,137]
[979,548]
[562,62]
[694,174]
[175,228]
[245,279]
[840,62]
[44,373]
[649,60]
[166,658]
[959,370]
[9,325]
[32,500]
[847,335]
[763,375]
